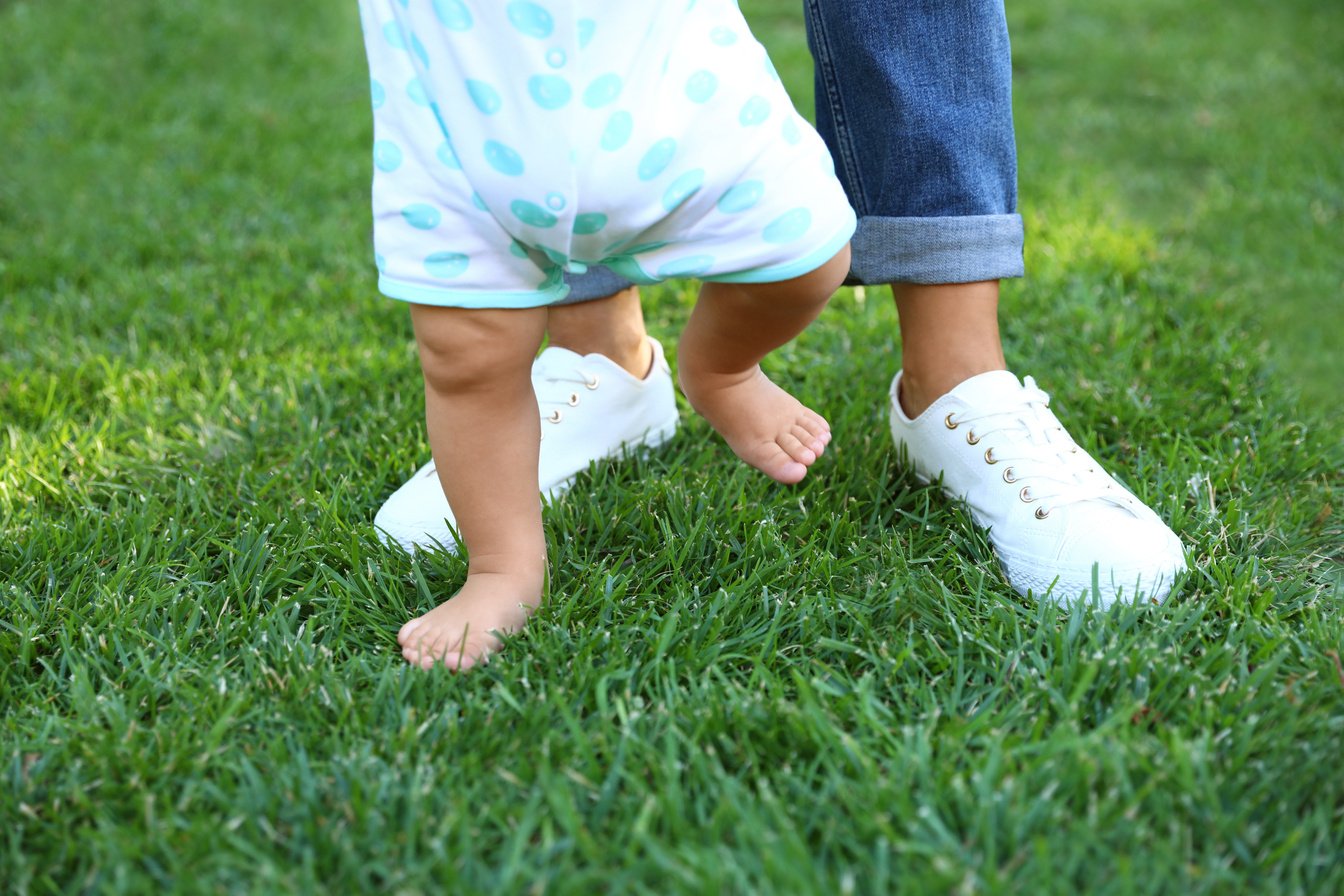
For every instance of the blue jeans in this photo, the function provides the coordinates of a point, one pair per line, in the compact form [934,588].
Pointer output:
[914,100]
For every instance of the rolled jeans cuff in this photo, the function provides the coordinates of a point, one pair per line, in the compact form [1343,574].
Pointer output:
[963,249]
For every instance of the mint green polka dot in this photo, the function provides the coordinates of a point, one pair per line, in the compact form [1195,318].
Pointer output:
[386,155]
[555,201]
[754,111]
[603,90]
[586,27]
[379,262]
[589,223]
[724,37]
[530,18]
[477,201]
[517,249]
[416,91]
[741,197]
[393,34]
[421,216]
[617,131]
[531,213]
[788,226]
[701,86]
[377,94]
[690,266]
[683,188]
[447,156]
[447,265]
[419,50]
[503,158]
[656,160]
[791,132]
[555,256]
[484,96]
[453,14]
[553,279]
[549,91]
[556,58]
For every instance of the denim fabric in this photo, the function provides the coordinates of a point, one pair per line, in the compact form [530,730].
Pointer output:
[914,100]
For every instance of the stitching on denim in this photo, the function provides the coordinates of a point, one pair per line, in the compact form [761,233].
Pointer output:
[821,57]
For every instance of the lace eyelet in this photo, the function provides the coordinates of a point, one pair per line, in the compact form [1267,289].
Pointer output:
[947,421]
[597,381]
[1041,513]
[574,399]
[1008,475]
[1025,494]
[989,456]
[556,416]
[972,438]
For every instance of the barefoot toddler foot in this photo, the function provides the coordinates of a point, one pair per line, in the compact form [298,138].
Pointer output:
[764,425]
[464,630]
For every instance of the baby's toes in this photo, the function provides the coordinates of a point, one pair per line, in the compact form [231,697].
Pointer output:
[418,653]
[461,659]
[809,439]
[406,635]
[815,424]
[796,448]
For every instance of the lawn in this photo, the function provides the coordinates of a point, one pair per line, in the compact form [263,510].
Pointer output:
[735,687]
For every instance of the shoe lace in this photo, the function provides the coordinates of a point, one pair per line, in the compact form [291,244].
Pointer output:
[1037,453]
[560,388]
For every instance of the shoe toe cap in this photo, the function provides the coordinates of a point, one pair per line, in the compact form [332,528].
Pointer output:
[1127,556]
[1134,556]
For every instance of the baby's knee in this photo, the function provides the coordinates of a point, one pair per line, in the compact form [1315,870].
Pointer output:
[831,275]
[464,352]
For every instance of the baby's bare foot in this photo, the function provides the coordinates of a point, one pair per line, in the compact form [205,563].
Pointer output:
[764,425]
[463,630]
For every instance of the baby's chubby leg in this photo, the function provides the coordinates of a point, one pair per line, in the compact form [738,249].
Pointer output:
[734,326]
[484,433]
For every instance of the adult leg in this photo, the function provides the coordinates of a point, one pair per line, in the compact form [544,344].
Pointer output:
[914,100]
[483,430]
[949,333]
[612,326]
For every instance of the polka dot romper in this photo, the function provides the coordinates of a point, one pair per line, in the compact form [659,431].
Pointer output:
[516,140]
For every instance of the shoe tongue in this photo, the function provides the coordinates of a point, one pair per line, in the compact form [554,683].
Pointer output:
[997,388]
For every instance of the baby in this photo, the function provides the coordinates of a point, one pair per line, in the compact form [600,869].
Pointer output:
[517,141]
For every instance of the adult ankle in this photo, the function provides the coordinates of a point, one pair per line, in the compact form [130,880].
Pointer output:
[634,355]
[612,327]
[919,388]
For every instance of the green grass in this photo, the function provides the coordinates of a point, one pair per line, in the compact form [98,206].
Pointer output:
[736,687]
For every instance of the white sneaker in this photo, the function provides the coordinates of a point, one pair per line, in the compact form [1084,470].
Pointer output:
[1057,520]
[591,408]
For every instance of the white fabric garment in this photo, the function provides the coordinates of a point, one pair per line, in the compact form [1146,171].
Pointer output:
[516,140]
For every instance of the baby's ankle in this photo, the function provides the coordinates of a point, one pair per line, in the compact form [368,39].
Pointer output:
[521,577]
